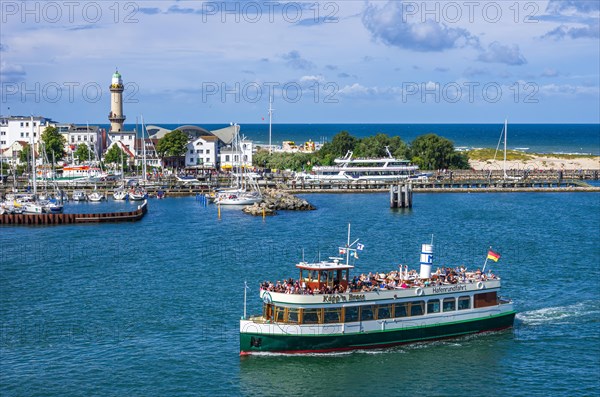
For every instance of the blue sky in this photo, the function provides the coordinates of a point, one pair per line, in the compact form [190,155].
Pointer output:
[325,62]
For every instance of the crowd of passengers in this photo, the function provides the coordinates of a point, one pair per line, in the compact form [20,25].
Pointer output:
[380,281]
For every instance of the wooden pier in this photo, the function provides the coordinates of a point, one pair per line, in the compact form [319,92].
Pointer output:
[67,219]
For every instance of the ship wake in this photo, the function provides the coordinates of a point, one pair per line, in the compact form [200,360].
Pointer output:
[560,314]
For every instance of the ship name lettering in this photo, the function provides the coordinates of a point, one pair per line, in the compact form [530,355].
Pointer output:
[343,298]
[456,288]
[353,297]
[334,298]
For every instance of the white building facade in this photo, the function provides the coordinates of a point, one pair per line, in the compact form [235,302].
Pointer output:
[22,128]
[202,152]
[230,156]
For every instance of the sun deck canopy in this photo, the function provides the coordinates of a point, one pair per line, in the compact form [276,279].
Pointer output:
[335,265]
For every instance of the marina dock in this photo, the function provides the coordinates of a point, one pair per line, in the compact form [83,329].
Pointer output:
[66,219]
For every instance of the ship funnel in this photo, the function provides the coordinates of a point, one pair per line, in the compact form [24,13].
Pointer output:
[426,260]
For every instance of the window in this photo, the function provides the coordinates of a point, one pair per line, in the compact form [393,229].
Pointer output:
[279,313]
[85,138]
[21,124]
[207,151]
[351,314]
[332,316]
[191,151]
[311,316]
[401,309]
[464,302]
[417,308]
[433,306]
[384,311]
[34,123]
[293,315]
[449,305]
[22,134]
[366,313]
[200,151]
[227,157]
[78,138]
[72,139]
[191,159]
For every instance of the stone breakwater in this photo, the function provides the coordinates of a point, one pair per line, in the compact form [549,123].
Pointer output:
[274,200]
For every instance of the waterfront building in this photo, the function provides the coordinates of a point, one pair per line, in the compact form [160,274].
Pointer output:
[231,156]
[12,153]
[20,128]
[152,159]
[82,134]
[202,152]
[208,149]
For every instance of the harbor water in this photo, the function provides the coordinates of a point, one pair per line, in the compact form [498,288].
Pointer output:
[152,308]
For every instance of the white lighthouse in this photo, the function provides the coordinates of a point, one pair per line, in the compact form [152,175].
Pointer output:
[116,116]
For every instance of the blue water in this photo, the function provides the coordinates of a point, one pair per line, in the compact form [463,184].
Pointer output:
[537,138]
[152,308]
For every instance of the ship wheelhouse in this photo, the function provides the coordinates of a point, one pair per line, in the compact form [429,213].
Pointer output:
[325,275]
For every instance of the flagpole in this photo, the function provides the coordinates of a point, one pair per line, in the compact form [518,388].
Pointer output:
[348,247]
[245,288]
[484,264]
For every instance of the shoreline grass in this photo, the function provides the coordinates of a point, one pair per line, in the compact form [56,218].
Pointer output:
[516,155]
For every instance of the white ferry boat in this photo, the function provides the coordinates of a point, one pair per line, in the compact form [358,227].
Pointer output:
[325,310]
[348,169]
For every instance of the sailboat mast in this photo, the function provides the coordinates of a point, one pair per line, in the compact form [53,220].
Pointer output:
[505,136]
[270,123]
[33,168]
[143,150]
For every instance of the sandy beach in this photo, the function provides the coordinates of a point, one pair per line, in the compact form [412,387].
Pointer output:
[540,163]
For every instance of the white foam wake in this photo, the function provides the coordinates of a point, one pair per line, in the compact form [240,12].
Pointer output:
[559,314]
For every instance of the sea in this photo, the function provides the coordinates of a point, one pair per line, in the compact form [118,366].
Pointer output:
[534,138]
[152,308]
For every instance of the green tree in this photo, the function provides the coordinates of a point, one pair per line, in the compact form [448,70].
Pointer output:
[82,153]
[24,154]
[375,146]
[54,144]
[433,152]
[339,146]
[285,161]
[172,144]
[114,155]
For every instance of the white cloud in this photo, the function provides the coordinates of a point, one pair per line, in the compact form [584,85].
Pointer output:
[295,61]
[390,25]
[578,18]
[10,73]
[499,53]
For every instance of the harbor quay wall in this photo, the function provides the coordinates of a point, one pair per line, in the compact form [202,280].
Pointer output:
[455,181]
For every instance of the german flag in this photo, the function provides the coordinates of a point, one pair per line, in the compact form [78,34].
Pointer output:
[493,255]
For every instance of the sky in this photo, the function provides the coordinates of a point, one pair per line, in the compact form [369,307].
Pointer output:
[320,62]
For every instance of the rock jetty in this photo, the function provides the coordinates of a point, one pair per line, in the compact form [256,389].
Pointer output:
[274,200]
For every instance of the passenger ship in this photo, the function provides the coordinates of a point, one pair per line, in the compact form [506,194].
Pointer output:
[327,311]
[364,169]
